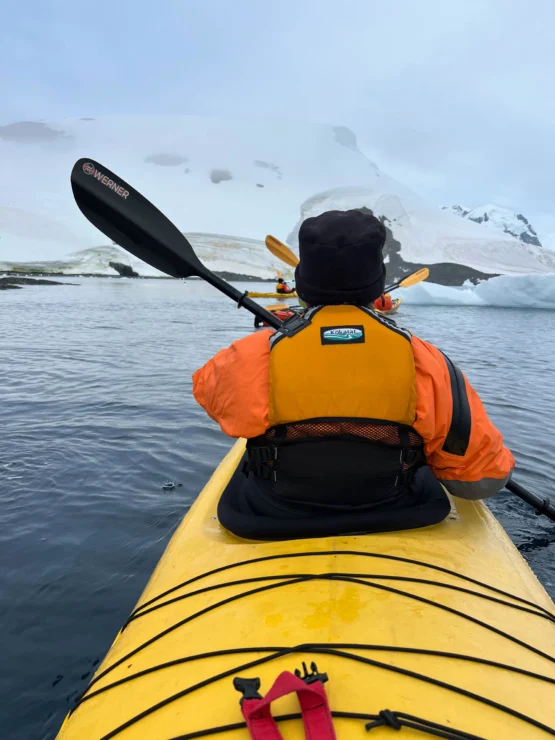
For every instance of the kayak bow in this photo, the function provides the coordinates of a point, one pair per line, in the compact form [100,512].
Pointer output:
[445,623]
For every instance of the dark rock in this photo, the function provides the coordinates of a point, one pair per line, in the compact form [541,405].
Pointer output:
[124,270]
[345,137]
[16,282]
[269,166]
[443,273]
[239,277]
[218,176]
[30,131]
[528,239]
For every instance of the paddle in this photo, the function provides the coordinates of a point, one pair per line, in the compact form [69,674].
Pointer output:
[129,219]
[282,251]
[541,505]
[412,279]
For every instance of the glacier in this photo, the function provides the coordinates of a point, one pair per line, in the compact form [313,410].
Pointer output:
[228,182]
[515,291]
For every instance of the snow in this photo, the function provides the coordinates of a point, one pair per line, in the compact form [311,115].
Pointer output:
[218,252]
[517,291]
[499,219]
[548,241]
[429,235]
[177,162]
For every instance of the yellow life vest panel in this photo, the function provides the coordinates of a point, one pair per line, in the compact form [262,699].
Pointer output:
[348,362]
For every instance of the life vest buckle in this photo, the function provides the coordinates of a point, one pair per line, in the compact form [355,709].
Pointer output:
[294,325]
[411,456]
[248,687]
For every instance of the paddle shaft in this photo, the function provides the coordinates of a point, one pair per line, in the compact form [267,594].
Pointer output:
[540,504]
[241,299]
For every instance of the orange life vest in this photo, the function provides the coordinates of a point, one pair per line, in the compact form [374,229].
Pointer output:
[383,303]
[343,421]
[352,363]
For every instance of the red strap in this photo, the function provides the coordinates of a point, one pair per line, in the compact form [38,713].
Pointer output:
[317,719]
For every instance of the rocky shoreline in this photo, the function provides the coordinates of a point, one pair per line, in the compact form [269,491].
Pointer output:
[8,283]
[17,278]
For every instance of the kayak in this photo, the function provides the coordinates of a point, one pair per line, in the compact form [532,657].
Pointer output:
[396,305]
[287,312]
[272,295]
[446,624]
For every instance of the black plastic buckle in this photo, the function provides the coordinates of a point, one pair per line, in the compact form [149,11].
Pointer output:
[294,325]
[248,687]
[410,457]
[313,676]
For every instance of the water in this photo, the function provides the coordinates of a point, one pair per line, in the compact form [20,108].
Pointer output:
[97,415]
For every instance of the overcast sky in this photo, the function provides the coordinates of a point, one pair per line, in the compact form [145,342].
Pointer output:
[457,100]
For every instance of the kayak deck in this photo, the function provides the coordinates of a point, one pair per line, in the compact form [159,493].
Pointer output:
[256,294]
[395,620]
[396,305]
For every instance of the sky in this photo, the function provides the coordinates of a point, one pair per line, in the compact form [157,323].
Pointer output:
[453,99]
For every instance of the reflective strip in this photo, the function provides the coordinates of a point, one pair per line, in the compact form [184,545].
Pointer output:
[380,318]
[458,436]
[479,489]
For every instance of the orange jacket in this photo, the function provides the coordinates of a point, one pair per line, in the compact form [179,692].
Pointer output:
[233,388]
[282,287]
[383,303]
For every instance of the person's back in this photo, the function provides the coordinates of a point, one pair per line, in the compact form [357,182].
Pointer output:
[383,303]
[283,287]
[370,415]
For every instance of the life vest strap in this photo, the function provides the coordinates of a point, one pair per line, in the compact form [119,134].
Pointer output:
[316,714]
[330,448]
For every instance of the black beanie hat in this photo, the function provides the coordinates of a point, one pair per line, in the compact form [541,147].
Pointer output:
[341,258]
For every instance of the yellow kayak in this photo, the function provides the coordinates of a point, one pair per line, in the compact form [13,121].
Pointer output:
[447,624]
[271,295]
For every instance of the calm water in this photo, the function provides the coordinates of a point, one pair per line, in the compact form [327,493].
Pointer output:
[97,414]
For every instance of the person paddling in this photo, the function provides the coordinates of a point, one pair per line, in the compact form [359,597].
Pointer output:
[283,287]
[372,421]
[383,303]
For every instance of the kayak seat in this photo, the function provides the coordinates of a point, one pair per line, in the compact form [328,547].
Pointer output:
[250,509]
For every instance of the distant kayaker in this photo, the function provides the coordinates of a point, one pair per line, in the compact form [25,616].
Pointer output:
[351,414]
[283,287]
[383,303]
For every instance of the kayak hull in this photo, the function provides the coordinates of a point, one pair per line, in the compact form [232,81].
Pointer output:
[382,593]
[394,308]
[271,295]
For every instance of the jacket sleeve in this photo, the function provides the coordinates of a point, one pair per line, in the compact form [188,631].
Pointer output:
[234,386]
[463,448]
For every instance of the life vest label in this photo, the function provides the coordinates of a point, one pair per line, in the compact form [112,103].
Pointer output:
[342,334]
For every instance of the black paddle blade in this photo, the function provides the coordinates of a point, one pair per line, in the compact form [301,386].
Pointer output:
[129,219]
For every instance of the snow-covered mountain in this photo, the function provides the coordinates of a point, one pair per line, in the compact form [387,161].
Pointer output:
[222,254]
[499,219]
[227,184]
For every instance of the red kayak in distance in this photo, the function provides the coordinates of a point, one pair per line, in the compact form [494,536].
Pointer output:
[286,312]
